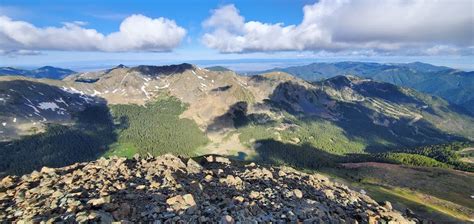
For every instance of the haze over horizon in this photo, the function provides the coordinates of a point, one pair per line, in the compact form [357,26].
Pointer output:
[243,36]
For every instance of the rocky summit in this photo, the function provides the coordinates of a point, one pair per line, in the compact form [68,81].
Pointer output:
[168,189]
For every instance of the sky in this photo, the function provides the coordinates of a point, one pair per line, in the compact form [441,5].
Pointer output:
[240,34]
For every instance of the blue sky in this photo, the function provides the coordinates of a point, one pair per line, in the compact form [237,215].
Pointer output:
[244,35]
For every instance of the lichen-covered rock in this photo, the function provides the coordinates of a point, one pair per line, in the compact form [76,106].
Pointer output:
[169,190]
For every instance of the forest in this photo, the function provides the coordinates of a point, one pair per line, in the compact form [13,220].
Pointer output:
[155,128]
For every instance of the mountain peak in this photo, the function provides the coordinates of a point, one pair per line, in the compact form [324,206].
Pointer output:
[154,70]
[121,66]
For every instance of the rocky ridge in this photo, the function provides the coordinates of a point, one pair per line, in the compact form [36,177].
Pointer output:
[168,189]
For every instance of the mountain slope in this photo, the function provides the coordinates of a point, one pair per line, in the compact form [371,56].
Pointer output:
[453,85]
[211,95]
[239,115]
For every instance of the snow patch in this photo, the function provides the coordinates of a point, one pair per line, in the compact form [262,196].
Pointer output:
[163,87]
[48,106]
[34,108]
[14,120]
[96,93]
[144,91]
[199,77]
[4,124]
[60,100]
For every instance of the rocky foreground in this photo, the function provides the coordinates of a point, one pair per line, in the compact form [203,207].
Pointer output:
[168,189]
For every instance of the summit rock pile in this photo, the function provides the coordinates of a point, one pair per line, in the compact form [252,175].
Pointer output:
[168,189]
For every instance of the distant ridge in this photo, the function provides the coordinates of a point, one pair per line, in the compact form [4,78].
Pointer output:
[218,69]
[49,72]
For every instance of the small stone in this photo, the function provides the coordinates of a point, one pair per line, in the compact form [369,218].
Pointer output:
[81,217]
[193,167]
[298,193]
[329,194]
[387,205]
[209,159]
[208,178]
[140,187]
[48,170]
[227,219]
[99,201]
[252,164]
[181,202]
[136,157]
[189,199]
[239,199]
[281,173]
[254,194]
[154,184]
[223,160]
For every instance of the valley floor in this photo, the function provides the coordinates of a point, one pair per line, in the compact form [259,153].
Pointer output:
[441,195]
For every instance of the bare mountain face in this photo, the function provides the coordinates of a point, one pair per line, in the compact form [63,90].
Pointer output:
[219,100]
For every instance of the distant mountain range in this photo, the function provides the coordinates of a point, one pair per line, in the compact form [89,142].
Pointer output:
[43,72]
[451,84]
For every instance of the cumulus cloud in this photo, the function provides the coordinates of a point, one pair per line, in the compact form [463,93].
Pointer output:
[347,25]
[136,33]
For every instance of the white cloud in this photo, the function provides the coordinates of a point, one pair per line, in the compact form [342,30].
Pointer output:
[137,33]
[14,53]
[351,25]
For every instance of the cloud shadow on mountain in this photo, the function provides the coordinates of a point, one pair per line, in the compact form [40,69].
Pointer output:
[355,119]
[237,116]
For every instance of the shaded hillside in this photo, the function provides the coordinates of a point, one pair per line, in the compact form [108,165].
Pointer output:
[451,84]
[85,138]
[26,105]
